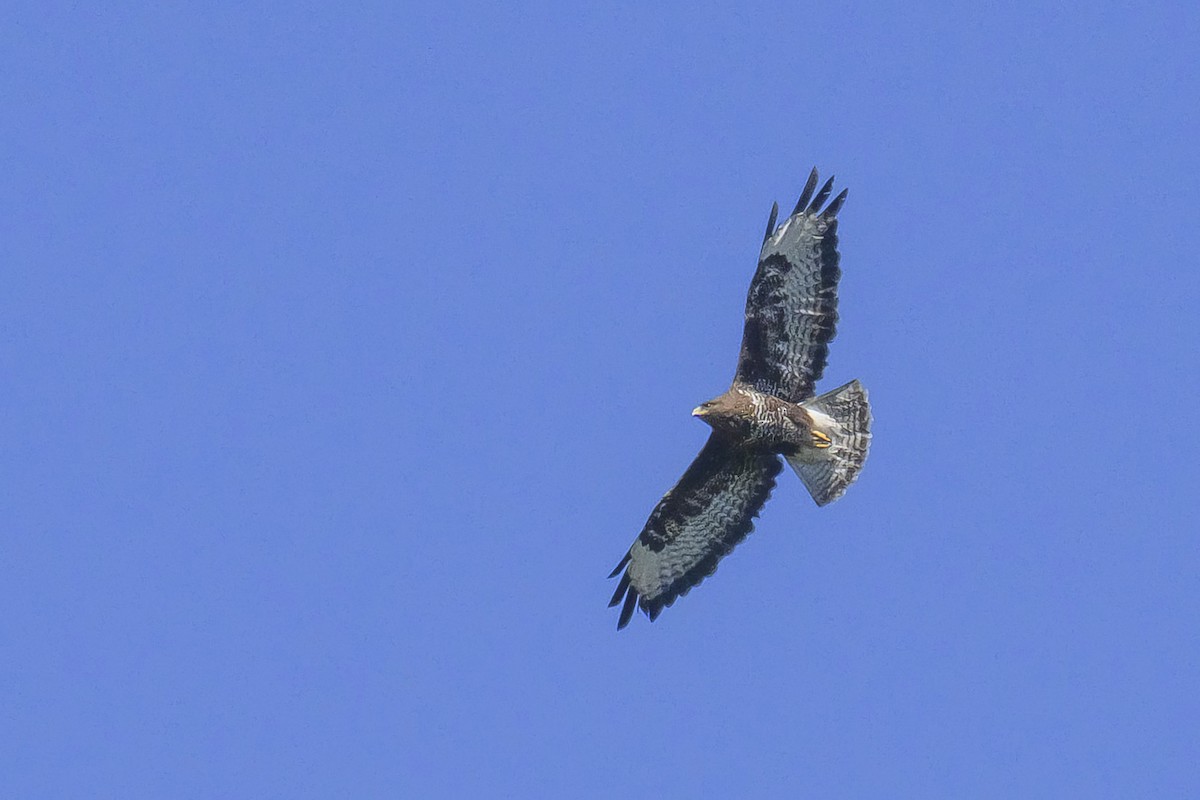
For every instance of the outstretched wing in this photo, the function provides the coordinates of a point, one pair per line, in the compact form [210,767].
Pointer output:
[702,518]
[791,310]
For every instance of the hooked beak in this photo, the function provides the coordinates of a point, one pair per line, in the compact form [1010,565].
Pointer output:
[699,411]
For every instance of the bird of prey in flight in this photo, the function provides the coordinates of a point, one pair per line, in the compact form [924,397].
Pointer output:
[771,410]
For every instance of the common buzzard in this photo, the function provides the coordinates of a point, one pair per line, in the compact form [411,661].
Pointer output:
[771,410]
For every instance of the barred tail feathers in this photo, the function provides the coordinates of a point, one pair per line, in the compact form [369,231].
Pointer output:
[844,415]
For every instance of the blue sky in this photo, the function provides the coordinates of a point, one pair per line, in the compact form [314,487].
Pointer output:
[346,350]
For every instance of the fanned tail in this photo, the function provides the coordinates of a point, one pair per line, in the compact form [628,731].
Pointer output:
[844,415]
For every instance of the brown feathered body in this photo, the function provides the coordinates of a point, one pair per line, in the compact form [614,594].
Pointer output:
[745,417]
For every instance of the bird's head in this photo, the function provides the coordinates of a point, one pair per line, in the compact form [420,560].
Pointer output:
[718,412]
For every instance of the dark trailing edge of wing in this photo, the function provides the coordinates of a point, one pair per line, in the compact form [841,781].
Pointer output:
[771,221]
[806,195]
[821,197]
[621,587]
[624,590]
[620,566]
[836,206]
[808,203]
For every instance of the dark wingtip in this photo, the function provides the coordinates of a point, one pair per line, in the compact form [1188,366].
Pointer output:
[806,195]
[822,195]
[620,566]
[627,609]
[771,221]
[621,587]
[836,205]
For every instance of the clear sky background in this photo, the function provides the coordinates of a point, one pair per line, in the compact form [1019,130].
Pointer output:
[346,349]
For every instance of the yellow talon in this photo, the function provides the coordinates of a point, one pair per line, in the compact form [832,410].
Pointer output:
[821,440]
